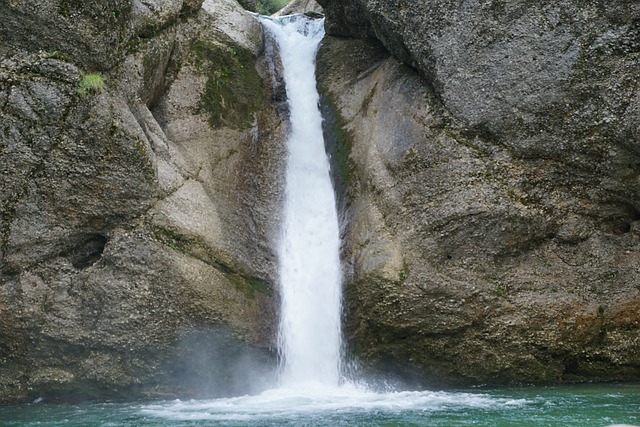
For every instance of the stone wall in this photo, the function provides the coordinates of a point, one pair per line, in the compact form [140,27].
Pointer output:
[493,193]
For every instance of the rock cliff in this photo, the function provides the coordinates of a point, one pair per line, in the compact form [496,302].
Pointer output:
[137,205]
[492,186]
[489,174]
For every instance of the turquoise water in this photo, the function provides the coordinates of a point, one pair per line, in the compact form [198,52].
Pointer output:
[583,406]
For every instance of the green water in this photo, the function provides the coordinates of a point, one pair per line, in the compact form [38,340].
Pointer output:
[580,406]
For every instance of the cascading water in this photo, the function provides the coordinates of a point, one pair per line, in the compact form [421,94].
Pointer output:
[309,253]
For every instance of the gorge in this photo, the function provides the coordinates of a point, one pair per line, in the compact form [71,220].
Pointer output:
[486,159]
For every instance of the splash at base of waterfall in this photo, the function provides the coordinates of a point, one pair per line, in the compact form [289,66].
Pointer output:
[322,403]
[578,406]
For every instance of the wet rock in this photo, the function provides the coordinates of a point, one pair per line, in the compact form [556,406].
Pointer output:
[133,218]
[300,6]
[489,209]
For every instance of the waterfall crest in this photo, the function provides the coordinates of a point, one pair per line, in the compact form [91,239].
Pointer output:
[309,249]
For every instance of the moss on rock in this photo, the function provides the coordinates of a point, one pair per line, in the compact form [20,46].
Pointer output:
[234,89]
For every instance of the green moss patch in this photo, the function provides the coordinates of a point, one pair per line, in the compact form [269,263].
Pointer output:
[234,89]
[338,141]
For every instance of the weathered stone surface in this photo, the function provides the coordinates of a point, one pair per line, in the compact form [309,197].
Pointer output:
[346,18]
[531,74]
[136,221]
[299,6]
[492,203]
[95,35]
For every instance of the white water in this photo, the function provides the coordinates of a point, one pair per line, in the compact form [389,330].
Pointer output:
[309,253]
[283,404]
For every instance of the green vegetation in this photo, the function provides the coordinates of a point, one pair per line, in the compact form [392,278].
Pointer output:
[269,7]
[60,56]
[404,274]
[502,291]
[263,7]
[90,83]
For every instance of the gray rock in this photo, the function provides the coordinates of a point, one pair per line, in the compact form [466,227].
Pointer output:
[137,220]
[491,216]
[299,6]
[346,18]
[529,75]
[95,35]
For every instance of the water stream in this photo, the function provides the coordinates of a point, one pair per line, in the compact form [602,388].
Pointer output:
[309,253]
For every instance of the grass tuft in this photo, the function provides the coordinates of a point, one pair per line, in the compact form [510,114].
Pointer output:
[91,83]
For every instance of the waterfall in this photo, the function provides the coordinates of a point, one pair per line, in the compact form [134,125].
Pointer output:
[309,249]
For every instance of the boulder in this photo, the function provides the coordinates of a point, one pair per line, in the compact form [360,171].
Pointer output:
[491,187]
[138,209]
[94,35]
[299,6]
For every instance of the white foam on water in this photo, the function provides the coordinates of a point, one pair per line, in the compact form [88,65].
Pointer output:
[293,403]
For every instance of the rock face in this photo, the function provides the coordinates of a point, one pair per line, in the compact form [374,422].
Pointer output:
[96,35]
[493,189]
[300,6]
[136,220]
